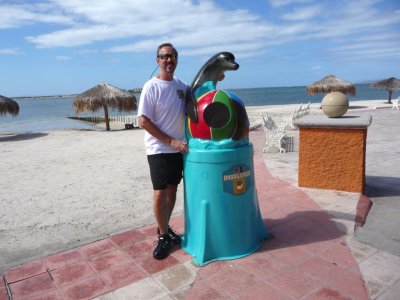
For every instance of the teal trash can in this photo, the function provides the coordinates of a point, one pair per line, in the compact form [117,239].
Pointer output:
[222,215]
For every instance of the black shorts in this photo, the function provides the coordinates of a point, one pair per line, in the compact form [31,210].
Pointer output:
[165,169]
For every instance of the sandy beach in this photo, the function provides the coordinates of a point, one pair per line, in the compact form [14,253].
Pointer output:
[65,188]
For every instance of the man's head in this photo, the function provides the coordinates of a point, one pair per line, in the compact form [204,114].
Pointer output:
[167,59]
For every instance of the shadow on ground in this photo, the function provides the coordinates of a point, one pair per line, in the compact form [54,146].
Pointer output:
[21,136]
[382,186]
[357,107]
[312,229]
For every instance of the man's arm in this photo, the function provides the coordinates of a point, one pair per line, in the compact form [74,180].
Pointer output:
[151,128]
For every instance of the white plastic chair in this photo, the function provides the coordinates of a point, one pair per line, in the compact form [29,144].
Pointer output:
[275,135]
[396,103]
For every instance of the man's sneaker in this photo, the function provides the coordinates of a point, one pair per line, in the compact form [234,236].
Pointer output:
[175,238]
[164,245]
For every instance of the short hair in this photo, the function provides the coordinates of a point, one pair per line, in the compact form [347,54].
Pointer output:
[167,45]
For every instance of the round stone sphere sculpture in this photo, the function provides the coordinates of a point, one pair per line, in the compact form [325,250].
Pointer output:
[335,104]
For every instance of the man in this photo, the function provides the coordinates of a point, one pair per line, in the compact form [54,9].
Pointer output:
[162,114]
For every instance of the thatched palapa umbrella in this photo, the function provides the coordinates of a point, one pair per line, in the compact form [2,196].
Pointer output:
[330,84]
[105,95]
[8,105]
[391,84]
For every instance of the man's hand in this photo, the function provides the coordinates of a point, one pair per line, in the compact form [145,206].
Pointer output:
[179,145]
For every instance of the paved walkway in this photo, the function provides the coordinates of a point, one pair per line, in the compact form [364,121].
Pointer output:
[313,255]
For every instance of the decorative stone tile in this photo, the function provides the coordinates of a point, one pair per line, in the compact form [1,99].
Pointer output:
[25,271]
[147,288]
[286,233]
[375,287]
[181,255]
[72,273]
[108,296]
[51,295]
[351,285]
[128,238]
[85,289]
[340,254]
[62,259]
[202,290]
[262,290]
[392,293]
[3,293]
[380,270]
[153,266]
[108,260]
[32,286]
[295,283]
[320,268]
[327,293]
[360,250]
[303,224]
[139,249]
[177,223]
[97,248]
[290,255]
[231,280]
[262,265]
[213,268]
[175,278]
[122,275]
[149,231]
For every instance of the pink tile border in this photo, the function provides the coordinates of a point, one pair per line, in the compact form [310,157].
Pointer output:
[62,259]
[72,273]
[97,248]
[85,289]
[25,271]
[32,286]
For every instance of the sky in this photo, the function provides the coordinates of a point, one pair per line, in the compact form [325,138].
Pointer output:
[59,47]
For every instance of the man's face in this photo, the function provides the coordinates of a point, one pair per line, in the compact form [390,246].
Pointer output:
[167,59]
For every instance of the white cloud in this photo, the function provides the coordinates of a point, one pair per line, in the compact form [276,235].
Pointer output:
[302,13]
[202,27]
[11,51]
[114,60]
[102,21]
[87,51]
[62,58]
[278,3]
[316,68]
[17,15]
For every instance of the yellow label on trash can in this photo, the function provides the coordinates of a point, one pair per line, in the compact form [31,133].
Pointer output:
[239,186]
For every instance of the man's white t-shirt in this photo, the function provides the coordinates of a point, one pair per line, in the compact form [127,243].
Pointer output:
[164,103]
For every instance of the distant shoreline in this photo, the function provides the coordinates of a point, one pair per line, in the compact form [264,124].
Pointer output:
[133,91]
[47,97]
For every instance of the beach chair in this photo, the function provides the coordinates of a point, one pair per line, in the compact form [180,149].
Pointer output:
[396,103]
[131,122]
[295,115]
[275,135]
[308,108]
[275,139]
[298,113]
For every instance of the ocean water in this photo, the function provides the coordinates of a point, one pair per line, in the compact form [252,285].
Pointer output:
[45,114]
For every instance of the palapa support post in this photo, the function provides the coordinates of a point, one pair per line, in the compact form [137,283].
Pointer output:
[106,117]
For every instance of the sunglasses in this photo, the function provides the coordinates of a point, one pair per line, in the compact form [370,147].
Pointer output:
[166,56]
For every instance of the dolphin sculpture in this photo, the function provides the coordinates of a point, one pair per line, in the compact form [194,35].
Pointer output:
[207,78]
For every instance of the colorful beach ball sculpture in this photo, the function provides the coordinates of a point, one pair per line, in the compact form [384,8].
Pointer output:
[221,115]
